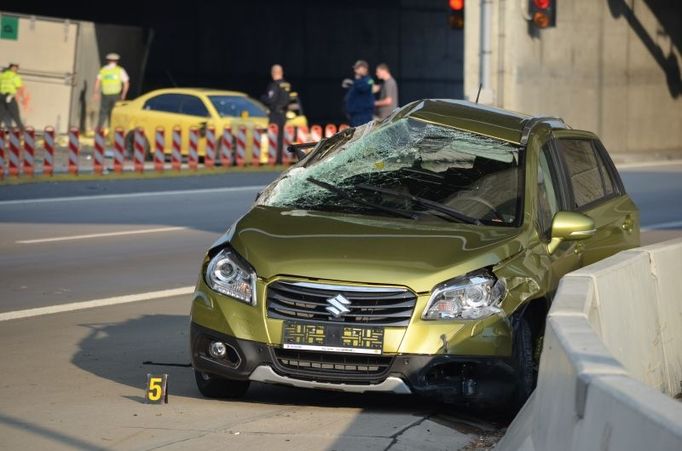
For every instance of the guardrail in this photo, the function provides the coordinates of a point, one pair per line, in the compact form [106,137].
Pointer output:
[22,154]
[611,360]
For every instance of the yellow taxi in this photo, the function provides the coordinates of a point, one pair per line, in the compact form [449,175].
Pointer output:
[192,107]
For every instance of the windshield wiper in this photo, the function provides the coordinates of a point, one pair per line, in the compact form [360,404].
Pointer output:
[451,212]
[344,194]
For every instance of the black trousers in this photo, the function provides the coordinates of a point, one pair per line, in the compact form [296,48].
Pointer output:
[106,105]
[9,112]
[280,120]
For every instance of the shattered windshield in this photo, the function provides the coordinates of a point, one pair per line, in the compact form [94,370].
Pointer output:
[406,168]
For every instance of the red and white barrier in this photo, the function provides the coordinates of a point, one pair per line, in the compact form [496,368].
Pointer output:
[257,139]
[273,131]
[119,150]
[74,150]
[329,130]
[240,155]
[209,155]
[342,127]
[302,135]
[2,154]
[193,158]
[98,164]
[316,133]
[139,150]
[159,146]
[14,152]
[289,138]
[226,148]
[29,150]
[176,155]
[48,158]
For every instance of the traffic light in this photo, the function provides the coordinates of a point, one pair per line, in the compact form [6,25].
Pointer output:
[456,18]
[542,13]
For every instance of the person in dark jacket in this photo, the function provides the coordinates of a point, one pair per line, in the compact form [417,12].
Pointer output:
[359,98]
[277,100]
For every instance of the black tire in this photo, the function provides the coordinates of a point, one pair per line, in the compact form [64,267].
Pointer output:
[130,151]
[524,364]
[212,386]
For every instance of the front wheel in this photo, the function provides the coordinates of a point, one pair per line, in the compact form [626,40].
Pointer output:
[130,147]
[213,386]
[524,364]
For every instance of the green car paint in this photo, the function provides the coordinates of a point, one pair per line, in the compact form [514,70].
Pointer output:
[366,238]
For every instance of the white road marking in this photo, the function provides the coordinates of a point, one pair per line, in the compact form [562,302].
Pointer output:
[29,313]
[101,235]
[661,225]
[647,164]
[99,197]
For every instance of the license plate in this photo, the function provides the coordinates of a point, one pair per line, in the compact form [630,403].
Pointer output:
[332,338]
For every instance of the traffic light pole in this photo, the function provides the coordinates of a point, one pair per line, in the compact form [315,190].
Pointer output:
[485,51]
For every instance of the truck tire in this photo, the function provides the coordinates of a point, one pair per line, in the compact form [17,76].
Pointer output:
[212,386]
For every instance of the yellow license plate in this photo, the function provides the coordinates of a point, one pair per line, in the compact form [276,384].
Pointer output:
[332,338]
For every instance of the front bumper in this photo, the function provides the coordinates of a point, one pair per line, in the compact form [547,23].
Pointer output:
[447,377]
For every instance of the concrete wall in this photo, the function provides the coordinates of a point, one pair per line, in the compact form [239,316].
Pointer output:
[611,359]
[609,66]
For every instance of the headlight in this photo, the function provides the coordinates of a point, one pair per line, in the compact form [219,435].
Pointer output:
[228,274]
[472,296]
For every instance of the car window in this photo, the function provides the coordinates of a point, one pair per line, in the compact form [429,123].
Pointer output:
[193,106]
[233,106]
[410,166]
[548,199]
[168,103]
[587,174]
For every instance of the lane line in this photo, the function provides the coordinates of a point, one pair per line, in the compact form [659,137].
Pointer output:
[99,197]
[661,226]
[647,164]
[151,295]
[100,235]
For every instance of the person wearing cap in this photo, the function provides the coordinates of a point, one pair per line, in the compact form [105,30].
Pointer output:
[111,85]
[359,99]
[11,87]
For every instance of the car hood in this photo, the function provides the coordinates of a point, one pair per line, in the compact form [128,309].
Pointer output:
[362,249]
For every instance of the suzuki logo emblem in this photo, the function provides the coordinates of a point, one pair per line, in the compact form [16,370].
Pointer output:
[338,306]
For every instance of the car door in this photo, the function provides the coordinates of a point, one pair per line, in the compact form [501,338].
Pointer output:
[550,199]
[595,189]
[194,113]
[162,110]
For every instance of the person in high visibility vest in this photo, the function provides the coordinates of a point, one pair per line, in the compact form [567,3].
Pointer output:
[111,85]
[11,86]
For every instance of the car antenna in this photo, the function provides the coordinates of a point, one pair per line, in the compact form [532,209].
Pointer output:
[170,77]
[479,92]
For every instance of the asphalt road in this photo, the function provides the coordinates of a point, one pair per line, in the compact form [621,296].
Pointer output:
[75,379]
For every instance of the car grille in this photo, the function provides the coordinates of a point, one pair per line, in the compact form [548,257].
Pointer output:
[368,305]
[331,367]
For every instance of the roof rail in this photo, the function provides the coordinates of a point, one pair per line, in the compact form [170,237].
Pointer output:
[528,127]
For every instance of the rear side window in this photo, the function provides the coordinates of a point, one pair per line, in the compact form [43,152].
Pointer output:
[168,103]
[590,180]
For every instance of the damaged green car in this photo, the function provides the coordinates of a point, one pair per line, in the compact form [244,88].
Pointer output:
[418,254]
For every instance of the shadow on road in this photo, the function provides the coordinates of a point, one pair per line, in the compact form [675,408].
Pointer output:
[116,351]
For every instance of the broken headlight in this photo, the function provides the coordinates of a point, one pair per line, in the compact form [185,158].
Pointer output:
[473,296]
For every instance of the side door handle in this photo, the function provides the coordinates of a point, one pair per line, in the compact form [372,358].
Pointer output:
[579,248]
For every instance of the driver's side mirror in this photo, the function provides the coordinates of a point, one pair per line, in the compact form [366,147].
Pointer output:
[570,226]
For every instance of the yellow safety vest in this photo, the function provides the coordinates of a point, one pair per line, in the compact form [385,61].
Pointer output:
[9,82]
[110,79]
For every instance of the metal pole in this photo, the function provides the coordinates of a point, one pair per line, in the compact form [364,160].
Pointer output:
[484,67]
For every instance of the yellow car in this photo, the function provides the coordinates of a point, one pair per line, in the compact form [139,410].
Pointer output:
[192,107]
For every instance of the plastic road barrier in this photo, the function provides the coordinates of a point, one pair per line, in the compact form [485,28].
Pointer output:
[48,145]
[74,150]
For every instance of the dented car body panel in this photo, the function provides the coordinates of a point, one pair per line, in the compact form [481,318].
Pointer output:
[436,232]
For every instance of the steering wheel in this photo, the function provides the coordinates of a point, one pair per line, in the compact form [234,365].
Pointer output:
[485,203]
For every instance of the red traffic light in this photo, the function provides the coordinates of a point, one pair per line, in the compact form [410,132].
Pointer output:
[457,5]
[542,4]
[542,13]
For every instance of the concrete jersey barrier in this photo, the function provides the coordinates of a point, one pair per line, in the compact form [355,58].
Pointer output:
[611,360]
